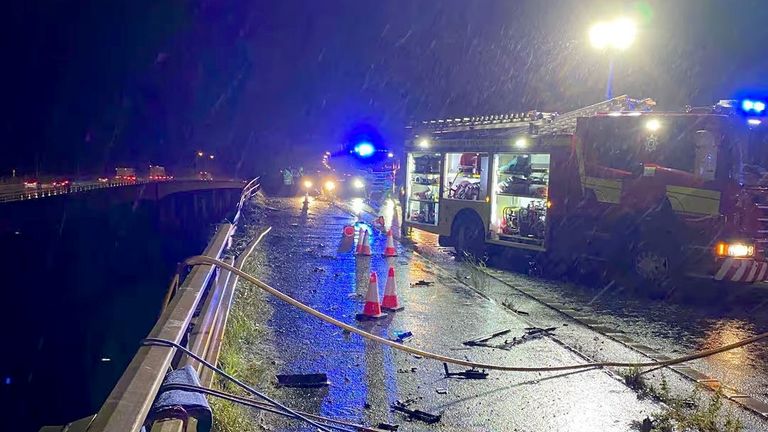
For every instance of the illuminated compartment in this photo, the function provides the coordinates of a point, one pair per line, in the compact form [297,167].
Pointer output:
[466,176]
[423,187]
[519,197]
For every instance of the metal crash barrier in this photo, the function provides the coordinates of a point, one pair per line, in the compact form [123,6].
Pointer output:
[195,317]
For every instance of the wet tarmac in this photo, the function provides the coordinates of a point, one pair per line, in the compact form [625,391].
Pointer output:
[299,257]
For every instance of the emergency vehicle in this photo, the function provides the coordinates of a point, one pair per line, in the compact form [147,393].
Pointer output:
[646,196]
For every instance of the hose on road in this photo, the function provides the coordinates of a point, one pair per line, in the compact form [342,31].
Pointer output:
[196,260]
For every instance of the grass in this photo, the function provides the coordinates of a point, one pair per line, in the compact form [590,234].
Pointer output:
[476,269]
[243,355]
[693,413]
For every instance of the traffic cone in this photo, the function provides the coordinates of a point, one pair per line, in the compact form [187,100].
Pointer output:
[390,250]
[395,226]
[360,238]
[390,302]
[364,246]
[372,308]
[347,242]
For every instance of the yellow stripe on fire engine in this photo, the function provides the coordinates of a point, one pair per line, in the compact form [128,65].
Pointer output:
[606,190]
[694,200]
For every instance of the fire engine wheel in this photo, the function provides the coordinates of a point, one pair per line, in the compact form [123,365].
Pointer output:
[654,267]
[469,236]
[651,266]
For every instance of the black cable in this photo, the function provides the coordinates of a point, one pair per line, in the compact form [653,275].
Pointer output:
[292,413]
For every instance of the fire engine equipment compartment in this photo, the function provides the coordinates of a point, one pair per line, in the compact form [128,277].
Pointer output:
[423,187]
[519,198]
[466,176]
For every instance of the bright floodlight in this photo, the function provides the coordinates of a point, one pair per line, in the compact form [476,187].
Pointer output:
[358,184]
[330,185]
[424,143]
[307,184]
[653,125]
[521,143]
[618,34]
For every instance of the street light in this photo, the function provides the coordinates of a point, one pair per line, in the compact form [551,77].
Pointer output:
[210,157]
[200,153]
[615,36]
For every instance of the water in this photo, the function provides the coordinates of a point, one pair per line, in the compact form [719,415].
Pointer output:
[81,286]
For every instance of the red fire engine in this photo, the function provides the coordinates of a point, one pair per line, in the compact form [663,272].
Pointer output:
[647,196]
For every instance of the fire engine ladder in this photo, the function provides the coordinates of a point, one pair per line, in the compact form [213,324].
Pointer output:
[566,123]
[761,239]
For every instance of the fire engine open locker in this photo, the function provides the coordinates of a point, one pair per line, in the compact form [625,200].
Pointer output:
[647,194]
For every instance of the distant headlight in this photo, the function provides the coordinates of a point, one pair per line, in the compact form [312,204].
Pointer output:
[735,250]
[358,184]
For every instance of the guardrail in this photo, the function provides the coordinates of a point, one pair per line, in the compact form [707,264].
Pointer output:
[129,403]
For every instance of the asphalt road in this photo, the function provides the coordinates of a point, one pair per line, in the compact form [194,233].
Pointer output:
[299,257]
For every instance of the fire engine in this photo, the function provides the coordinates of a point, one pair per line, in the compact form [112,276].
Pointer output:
[644,196]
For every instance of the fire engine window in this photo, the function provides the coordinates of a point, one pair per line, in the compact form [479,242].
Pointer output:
[706,155]
[423,187]
[519,203]
[466,176]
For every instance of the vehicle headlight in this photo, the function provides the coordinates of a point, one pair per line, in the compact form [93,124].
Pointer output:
[307,184]
[358,184]
[735,250]
[330,185]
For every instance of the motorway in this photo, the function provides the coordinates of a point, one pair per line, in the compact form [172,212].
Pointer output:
[458,303]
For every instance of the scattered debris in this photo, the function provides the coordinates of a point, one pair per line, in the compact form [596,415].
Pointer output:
[480,341]
[401,336]
[422,283]
[413,369]
[441,391]
[416,414]
[318,270]
[511,307]
[467,374]
[303,380]
[295,225]
[387,426]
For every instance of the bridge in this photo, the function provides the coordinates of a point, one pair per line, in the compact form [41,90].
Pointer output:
[141,189]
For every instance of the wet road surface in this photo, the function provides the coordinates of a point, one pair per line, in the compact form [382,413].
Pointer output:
[299,257]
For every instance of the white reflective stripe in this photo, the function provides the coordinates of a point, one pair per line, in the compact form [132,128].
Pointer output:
[753,271]
[740,272]
[724,269]
[760,275]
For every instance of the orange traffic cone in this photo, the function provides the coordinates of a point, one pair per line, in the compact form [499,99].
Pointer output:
[390,250]
[347,242]
[372,308]
[360,237]
[390,302]
[364,246]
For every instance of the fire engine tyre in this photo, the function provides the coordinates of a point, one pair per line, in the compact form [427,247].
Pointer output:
[654,269]
[468,235]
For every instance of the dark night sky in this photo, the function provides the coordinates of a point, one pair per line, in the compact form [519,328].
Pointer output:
[93,84]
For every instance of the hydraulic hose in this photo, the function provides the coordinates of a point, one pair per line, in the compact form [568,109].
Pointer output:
[200,259]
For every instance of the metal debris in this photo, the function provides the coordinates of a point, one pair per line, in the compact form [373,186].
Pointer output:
[387,426]
[422,283]
[401,336]
[441,391]
[480,341]
[416,414]
[303,380]
[467,374]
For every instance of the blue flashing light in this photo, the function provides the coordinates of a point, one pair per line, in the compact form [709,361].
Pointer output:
[759,106]
[364,149]
[747,105]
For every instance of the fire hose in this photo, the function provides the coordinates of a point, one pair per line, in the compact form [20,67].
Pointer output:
[204,260]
